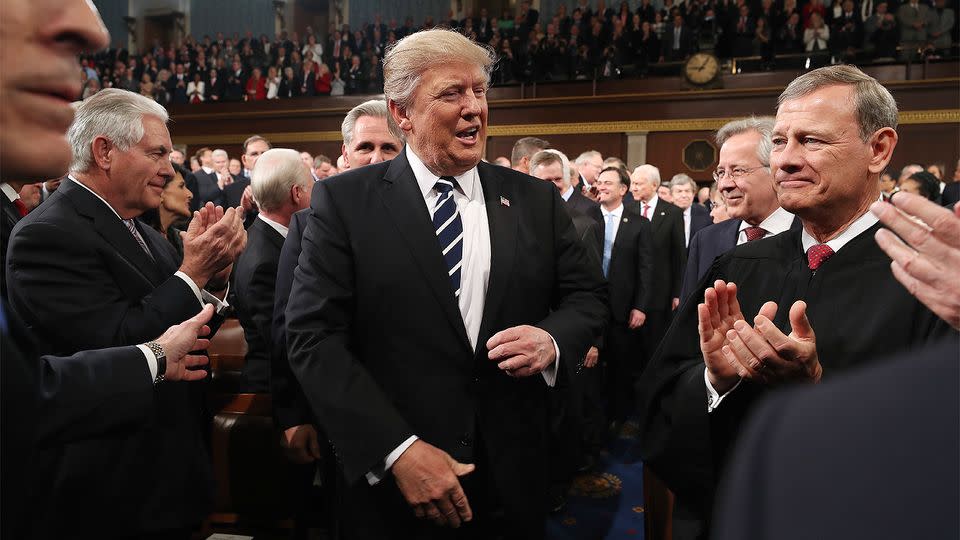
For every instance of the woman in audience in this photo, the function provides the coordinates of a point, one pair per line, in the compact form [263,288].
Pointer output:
[312,47]
[196,89]
[146,86]
[816,37]
[173,214]
[256,86]
[718,206]
[337,86]
[322,84]
[924,184]
[288,85]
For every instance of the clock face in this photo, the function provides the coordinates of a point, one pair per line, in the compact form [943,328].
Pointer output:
[701,68]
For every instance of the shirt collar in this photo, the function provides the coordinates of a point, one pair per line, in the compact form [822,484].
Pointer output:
[95,194]
[207,170]
[567,194]
[652,203]
[276,226]
[426,179]
[861,224]
[9,191]
[616,212]
[777,222]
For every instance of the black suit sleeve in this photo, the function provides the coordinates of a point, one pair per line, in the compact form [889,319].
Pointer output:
[255,296]
[678,255]
[690,277]
[63,291]
[360,419]
[644,278]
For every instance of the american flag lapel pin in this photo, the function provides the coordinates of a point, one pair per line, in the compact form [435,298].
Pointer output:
[504,201]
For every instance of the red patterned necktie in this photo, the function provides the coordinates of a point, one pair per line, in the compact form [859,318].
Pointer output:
[817,254]
[646,211]
[754,233]
[22,208]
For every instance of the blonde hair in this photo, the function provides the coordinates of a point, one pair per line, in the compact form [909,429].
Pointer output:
[406,60]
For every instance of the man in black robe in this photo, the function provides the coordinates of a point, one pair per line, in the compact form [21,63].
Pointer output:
[805,303]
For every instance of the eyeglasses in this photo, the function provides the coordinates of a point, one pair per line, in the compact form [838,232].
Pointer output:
[736,172]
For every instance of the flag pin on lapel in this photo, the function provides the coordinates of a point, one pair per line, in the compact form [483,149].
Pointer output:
[504,201]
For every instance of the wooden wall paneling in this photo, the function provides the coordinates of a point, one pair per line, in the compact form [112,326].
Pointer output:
[926,144]
[665,151]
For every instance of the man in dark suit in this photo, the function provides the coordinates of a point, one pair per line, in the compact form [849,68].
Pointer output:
[370,136]
[746,184]
[669,253]
[205,180]
[12,209]
[461,321]
[695,217]
[523,150]
[111,282]
[714,365]
[239,193]
[830,433]
[677,42]
[627,264]
[553,166]
[281,187]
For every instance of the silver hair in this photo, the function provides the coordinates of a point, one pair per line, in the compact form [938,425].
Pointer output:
[376,108]
[276,172]
[680,179]
[545,156]
[406,60]
[761,124]
[587,156]
[651,173]
[220,152]
[873,105]
[112,113]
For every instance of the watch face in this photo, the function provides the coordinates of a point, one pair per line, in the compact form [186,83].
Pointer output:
[701,68]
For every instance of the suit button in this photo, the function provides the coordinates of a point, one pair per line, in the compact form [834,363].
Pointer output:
[466,440]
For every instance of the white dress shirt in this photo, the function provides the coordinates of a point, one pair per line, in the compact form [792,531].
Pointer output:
[567,194]
[686,227]
[777,222]
[852,231]
[8,190]
[474,271]
[617,213]
[652,203]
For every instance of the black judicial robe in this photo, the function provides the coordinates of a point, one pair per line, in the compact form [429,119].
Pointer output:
[856,307]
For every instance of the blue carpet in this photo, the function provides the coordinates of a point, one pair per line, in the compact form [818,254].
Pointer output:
[607,504]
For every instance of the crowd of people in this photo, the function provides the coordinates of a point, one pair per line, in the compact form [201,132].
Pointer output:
[591,41]
[461,336]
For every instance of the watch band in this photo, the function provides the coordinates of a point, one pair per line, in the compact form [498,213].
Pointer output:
[161,357]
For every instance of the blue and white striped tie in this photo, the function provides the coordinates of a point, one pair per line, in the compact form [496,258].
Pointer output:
[446,221]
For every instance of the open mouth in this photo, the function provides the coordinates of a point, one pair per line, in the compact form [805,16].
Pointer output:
[469,136]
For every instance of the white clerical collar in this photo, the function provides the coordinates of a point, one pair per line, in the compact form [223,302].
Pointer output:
[426,180]
[8,190]
[862,223]
[567,194]
[97,195]
[276,226]
[777,222]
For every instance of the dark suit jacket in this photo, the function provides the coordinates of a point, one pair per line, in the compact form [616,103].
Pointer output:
[254,280]
[669,254]
[590,234]
[371,306]
[951,194]
[631,267]
[233,193]
[856,307]
[9,216]
[79,280]
[699,219]
[686,44]
[849,435]
[579,202]
[54,400]
[207,188]
[290,407]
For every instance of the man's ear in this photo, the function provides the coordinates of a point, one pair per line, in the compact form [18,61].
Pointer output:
[343,152]
[400,116]
[102,151]
[882,143]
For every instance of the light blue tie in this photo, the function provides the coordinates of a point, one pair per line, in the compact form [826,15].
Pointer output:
[607,243]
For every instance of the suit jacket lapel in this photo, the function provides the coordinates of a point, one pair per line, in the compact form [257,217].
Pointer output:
[622,232]
[503,223]
[404,202]
[111,229]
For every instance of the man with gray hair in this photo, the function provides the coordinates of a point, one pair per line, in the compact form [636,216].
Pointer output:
[281,186]
[695,217]
[589,165]
[787,309]
[370,136]
[746,184]
[84,274]
[523,150]
[434,297]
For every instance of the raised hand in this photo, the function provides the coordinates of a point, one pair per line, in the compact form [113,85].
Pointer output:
[716,315]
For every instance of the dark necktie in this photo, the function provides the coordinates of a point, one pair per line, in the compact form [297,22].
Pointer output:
[22,208]
[446,221]
[817,254]
[754,233]
[132,227]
